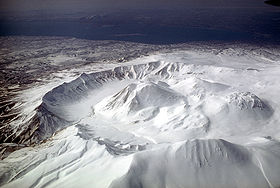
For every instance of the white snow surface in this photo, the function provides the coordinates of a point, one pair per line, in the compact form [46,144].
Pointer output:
[179,119]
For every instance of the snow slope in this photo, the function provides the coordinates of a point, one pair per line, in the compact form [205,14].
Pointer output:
[181,119]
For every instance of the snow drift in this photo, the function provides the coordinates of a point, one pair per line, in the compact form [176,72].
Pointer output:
[200,163]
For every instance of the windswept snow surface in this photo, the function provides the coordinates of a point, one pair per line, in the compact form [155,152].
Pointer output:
[180,119]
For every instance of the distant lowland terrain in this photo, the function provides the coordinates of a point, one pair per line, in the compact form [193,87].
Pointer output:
[152,26]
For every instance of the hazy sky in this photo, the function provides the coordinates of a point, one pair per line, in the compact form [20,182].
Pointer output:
[76,5]
[233,19]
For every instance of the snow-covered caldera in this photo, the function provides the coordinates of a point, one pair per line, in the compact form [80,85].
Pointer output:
[179,119]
